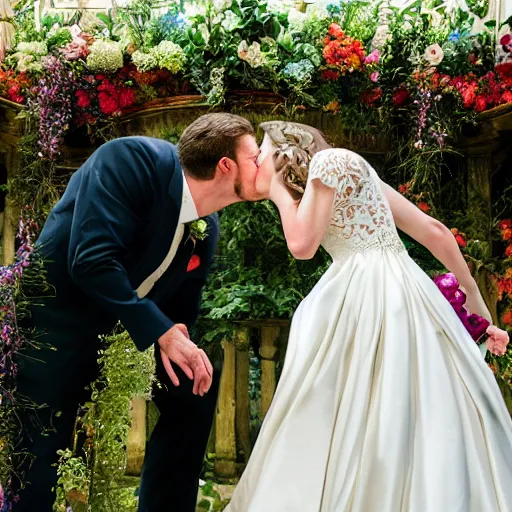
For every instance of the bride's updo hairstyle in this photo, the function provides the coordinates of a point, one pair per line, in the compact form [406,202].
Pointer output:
[295,144]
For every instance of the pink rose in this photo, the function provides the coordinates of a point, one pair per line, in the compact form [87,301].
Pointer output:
[374,77]
[497,341]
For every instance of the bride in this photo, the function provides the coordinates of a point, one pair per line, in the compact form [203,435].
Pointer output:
[385,403]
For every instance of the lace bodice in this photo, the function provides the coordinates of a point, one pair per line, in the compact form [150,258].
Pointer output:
[361,220]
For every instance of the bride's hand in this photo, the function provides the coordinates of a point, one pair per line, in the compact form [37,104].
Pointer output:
[280,193]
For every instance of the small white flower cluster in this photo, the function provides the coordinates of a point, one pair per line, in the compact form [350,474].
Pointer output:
[217,86]
[167,55]
[105,57]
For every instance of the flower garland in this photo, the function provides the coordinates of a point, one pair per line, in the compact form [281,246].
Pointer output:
[26,269]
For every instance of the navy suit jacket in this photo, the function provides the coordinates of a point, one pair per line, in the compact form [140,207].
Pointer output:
[112,228]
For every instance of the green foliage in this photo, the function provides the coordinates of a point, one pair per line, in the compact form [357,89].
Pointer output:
[125,373]
[137,18]
[73,476]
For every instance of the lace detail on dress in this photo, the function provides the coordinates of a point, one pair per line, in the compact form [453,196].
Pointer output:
[362,219]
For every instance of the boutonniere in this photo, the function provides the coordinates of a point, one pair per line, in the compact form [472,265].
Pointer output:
[198,230]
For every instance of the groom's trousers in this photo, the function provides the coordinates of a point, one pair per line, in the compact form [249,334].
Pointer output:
[176,448]
[55,381]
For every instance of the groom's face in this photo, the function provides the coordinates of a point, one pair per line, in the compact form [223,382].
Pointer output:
[247,154]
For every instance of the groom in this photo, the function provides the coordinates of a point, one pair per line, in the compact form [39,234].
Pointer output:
[118,247]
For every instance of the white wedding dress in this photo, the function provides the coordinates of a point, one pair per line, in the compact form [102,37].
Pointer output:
[385,403]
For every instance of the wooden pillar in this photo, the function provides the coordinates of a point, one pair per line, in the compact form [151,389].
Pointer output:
[480,202]
[243,436]
[136,441]
[225,437]
[11,214]
[9,232]
[268,351]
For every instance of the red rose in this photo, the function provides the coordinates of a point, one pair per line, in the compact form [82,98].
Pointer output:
[506,97]
[505,224]
[508,251]
[371,96]
[504,70]
[469,95]
[506,40]
[108,104]
[100,77]
[480,103]
[126,98]
[84,100]
[424,207]
[461,241]
[400,96]
[194,263]
[329,74]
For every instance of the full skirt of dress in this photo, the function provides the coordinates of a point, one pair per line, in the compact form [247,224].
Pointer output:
[384,404]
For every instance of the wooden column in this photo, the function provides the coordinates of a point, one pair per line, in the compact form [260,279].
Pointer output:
[136,441]
[243,437]
[268,351]
[225,437]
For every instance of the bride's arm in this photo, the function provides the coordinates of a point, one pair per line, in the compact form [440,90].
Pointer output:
[306,221]
[439,240]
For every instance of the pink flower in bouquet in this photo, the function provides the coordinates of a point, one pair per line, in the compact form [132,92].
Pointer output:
[77,49]
[497,341]
[373,58]
[374,77]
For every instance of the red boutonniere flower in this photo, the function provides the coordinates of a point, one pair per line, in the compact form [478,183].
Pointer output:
[194,263]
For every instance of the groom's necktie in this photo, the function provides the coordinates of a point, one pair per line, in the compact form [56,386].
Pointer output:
[148,283]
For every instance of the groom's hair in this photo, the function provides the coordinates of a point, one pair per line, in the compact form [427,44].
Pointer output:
[208,139]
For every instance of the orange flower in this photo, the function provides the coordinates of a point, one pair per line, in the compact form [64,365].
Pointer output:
[424,207]
[508,273]
[507,318]
[506,234]
[455,231]
[508,251]
[333,106]
[336,31]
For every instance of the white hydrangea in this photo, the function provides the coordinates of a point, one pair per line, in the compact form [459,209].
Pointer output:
[166,55]
[33,48]
[170,56]
[144,61]
[105,57]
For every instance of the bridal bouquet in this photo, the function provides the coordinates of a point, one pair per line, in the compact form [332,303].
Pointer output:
[477,326]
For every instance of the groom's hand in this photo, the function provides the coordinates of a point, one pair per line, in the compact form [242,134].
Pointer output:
[176,346]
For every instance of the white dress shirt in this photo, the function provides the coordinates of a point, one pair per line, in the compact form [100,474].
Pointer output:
[188,213]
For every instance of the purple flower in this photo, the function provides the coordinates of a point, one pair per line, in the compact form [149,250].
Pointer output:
[449,287]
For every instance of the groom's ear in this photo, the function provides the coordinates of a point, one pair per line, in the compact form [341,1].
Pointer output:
[225,165]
